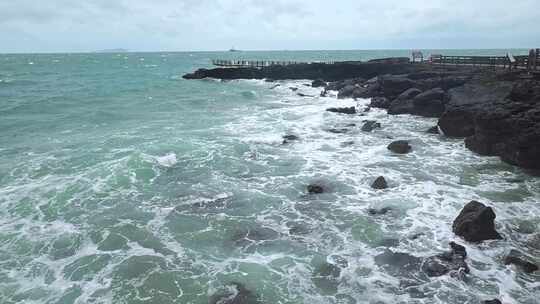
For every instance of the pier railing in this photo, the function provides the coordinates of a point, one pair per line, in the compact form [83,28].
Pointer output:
[260,63]
[529,62]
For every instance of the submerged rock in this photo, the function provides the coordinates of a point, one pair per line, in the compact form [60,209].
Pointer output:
[475,223]
[338,130]
[433,130]
[241,296]
[447,262]
[246,236]
[381,211]
[517,258]
[315,189]
[400,147]
[380,183]
[288,138]
[326,277]
[370,125]
[348,110]
[399,264]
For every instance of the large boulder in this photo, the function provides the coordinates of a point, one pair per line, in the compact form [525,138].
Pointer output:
[347,91]
[380,102]
[392,86]
[476,223]
[400,147]
[398,106]
[315,189]
[348,110]
[430,103]
[380,183]
[409,94]
[441,264]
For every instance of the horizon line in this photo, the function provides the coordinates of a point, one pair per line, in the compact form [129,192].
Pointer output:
[111,51]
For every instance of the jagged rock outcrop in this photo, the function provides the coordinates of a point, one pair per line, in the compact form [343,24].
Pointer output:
[498,118]
[476,223]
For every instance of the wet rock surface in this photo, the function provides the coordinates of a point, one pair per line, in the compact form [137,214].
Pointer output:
[451,261]
[518,259]
[370,125]
[476,223]
[315,189]
[347,110]
[380,183]
[400,147]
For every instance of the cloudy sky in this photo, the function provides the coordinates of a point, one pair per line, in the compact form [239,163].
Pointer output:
[181,25]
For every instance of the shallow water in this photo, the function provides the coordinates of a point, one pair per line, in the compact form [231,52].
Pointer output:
[122,183]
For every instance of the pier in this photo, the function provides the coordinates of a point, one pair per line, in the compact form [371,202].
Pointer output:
[529,62]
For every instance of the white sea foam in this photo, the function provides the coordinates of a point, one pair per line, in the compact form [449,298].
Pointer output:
[168,160]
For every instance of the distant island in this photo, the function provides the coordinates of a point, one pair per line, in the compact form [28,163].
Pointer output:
[112,51]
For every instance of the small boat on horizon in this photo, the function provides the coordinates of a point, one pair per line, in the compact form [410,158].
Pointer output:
[234,50]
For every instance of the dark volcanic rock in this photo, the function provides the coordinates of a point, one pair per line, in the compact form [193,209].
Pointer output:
[444,263]
[409,94]
[315,189]
[338,130]
[398,107]
[475,223]
[399,263]
[326,72]
[392,85]
[318,83]
[370,125]
[288,138]
[379,183]
[433,130]
[494,301]
[430,103]
[400,147]
[349,110]
[346,91]
[382,211]
[499,118]
[517,258]
[380,102]
[241,296]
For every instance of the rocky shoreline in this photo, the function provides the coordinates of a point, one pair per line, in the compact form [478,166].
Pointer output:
[496,112]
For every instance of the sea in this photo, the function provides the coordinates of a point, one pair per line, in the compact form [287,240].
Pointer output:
[121,182]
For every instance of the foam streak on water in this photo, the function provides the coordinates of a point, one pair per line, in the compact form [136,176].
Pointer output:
[108,196]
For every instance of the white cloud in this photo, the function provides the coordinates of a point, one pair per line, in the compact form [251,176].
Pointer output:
[66,25]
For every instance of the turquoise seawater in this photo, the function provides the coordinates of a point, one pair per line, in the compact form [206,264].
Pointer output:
[120,182]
